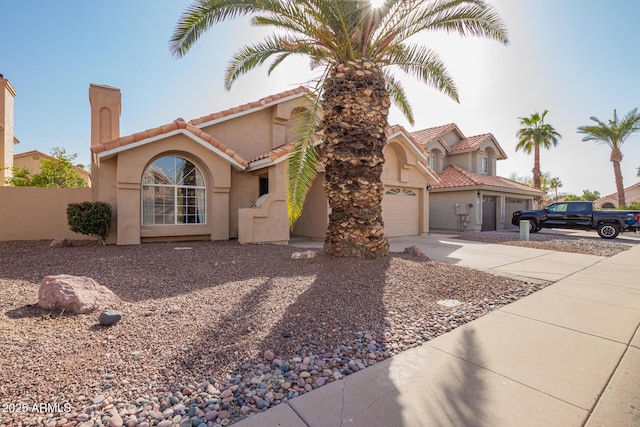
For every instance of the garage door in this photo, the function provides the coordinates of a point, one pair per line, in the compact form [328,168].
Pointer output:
[510,206]
[401,212]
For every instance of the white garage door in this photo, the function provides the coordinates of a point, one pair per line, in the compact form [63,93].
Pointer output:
[401,212]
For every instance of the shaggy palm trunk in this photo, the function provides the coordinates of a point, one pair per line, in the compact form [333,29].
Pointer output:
[355,104]
[537,181]
[616,158]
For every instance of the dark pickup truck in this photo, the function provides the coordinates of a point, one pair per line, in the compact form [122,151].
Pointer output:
[581,216]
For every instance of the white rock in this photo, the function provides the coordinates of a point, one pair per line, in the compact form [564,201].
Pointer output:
[303,255]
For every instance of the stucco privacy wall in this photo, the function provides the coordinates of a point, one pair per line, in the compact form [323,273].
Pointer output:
[30,213]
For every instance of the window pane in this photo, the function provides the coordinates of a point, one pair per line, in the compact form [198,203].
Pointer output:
[158,205]
[166,201]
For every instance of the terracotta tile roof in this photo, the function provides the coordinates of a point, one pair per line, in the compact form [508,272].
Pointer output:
[46,156]
[249,106]
[456,177]
[275,153]
[615,195]
[427,136]
[397,128]
[471,143]
[164,129]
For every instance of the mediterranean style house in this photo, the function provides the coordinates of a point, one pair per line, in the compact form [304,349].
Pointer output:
[631,195]
[469,195]
[31,161]
[224,176]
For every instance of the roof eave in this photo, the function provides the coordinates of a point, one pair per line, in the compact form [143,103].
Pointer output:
[247,111]
[114,151]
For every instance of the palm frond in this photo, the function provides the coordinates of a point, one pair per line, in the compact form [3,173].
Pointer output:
[303,160]
[423,64]
[200,16]
[251,57]
[398,96]
[464,17]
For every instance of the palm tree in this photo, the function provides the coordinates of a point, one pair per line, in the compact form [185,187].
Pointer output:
[533,134]
[614,135]
[357,47]
[554,184]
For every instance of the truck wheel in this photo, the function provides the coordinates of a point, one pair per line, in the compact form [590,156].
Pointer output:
[608,231]
[533,227]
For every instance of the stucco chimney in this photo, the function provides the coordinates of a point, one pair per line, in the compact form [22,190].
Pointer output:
[106,106]
[7,93]
[105,113]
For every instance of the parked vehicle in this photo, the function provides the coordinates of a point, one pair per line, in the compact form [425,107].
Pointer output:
[580,216]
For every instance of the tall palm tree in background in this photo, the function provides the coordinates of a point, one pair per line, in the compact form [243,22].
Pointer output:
[613,134]
[357,47]
[533,134]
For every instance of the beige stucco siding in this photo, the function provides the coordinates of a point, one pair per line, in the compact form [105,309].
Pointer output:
[244,194]
[442,210]
[255,133]
[125,186]
[315,213]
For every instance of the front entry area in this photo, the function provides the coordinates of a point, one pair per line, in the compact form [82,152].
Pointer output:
[488,213]
[401,212]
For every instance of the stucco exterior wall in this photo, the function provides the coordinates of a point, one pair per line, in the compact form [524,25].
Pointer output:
[463,160]
[269,220]
[125,185]
[30,213]
[254,134]
[315,213]
[442,209]
[7,93]
[244,194]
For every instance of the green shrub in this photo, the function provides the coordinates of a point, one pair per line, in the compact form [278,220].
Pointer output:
[90,218]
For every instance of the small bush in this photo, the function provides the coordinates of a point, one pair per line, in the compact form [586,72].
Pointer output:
[90,218]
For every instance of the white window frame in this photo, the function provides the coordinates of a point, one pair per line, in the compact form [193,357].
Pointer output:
[200,198]
[484,165]
[432,161]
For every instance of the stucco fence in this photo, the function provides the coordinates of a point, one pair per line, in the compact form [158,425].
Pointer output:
[28,213]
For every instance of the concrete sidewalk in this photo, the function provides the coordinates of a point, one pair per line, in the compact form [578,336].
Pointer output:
[568,355]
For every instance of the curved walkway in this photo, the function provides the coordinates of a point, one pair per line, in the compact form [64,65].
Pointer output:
[568,355]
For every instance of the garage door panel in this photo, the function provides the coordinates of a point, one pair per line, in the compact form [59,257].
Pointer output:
[401,212]
[511,205]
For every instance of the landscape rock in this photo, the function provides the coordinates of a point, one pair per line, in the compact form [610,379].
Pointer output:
[74,294]
[61,242]
[415,252]
[269,356]
[303,255]
[109,317]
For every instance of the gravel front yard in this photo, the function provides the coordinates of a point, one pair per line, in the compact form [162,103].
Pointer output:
[552,242]
[198,319]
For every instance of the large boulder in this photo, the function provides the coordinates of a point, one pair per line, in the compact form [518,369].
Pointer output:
[74,294]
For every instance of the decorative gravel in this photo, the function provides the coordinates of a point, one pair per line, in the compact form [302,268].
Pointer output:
[215,331]
[595,246]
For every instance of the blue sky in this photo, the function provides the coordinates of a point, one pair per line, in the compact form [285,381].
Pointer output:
[576,58]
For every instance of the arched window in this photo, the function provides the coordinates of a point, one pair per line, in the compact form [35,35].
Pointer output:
[173,192]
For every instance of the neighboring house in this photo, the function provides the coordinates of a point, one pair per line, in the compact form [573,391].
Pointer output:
[631,195]
[7,140]
[31,161]
[470,196]
[225,175]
